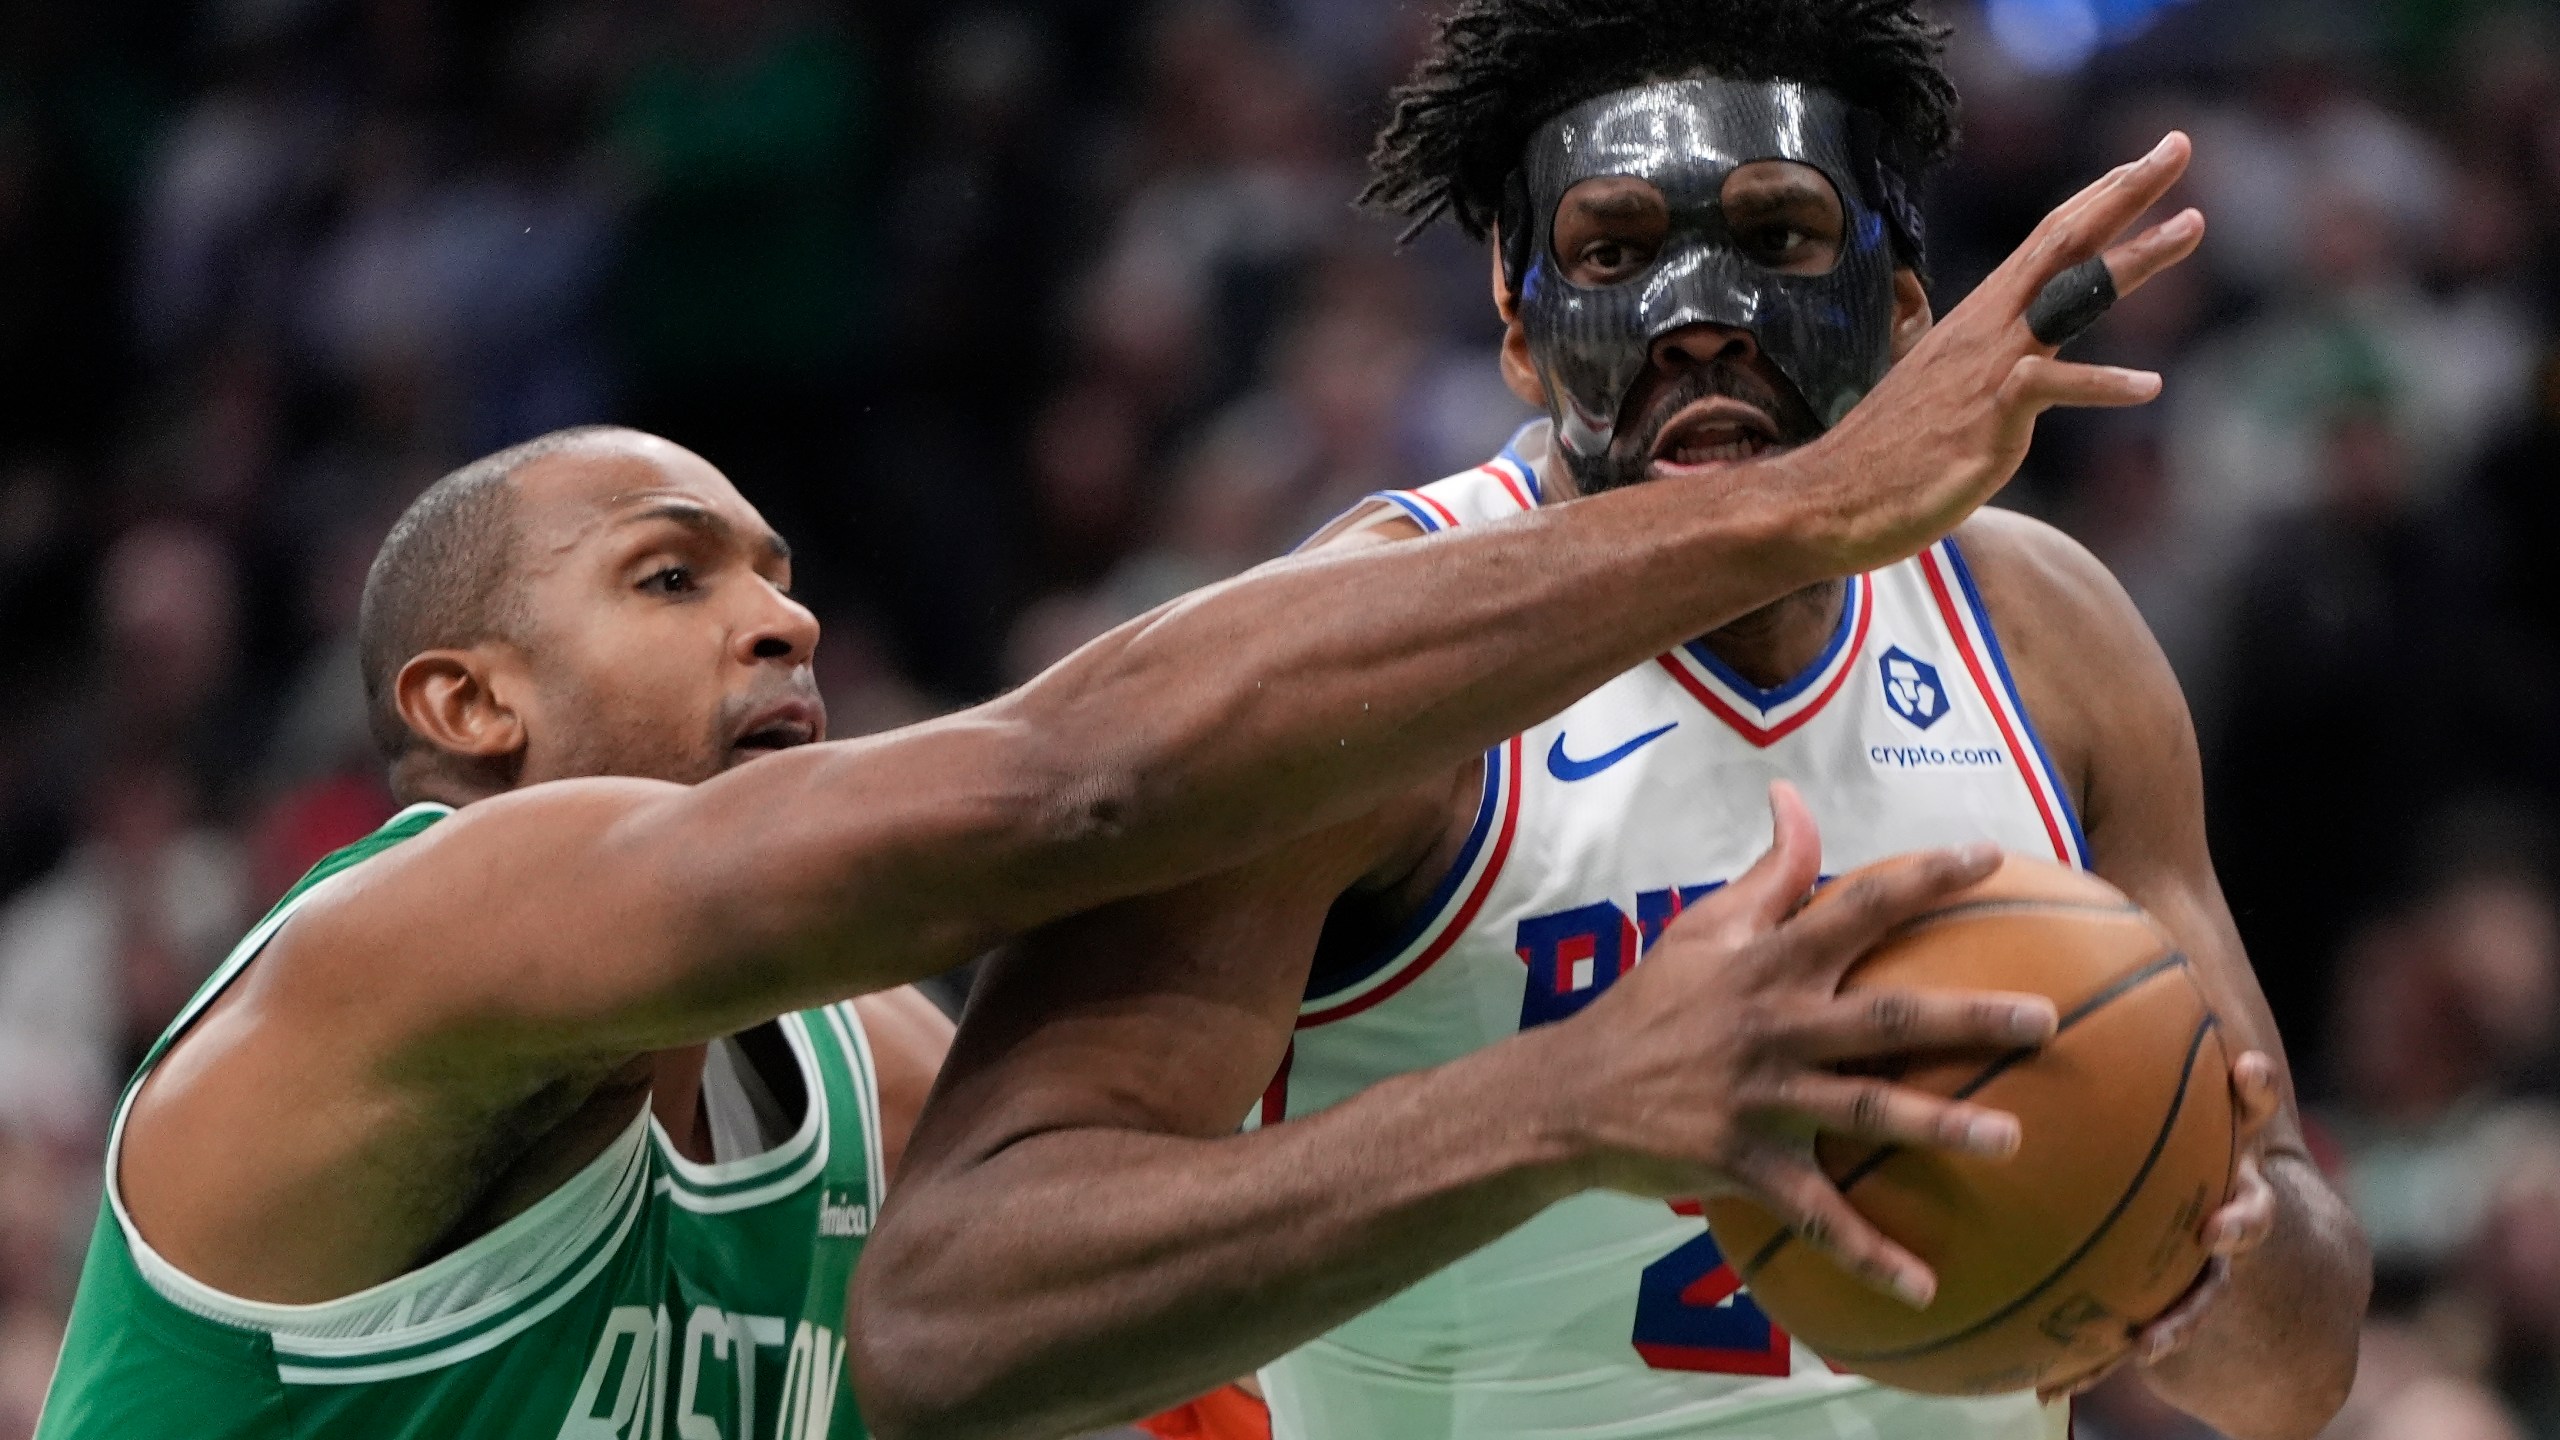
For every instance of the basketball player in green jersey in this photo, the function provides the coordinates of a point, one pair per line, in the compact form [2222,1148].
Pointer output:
[538,1113]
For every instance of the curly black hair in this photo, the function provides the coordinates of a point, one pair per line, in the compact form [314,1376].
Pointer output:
[1499,69]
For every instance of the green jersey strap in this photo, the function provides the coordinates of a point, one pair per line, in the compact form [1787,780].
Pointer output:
[647,1298]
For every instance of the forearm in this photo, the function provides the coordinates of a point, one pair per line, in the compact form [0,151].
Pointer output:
[1109,1273]
[2274,1359]
[1186,742]
[1306,691]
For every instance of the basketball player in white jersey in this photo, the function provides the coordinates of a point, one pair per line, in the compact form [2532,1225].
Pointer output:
[1704,251]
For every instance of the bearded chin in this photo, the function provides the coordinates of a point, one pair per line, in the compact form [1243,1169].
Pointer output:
[1609,470]
[1629,458]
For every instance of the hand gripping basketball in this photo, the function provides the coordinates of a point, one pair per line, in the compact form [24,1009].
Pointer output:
[1707,1070]
[1950,423]
[2243,1223]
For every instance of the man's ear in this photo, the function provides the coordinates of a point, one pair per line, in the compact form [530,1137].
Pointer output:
[450,699]
[1911,314]
[1518,371]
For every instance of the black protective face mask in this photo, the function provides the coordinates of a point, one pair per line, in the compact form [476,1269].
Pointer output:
[1830,335]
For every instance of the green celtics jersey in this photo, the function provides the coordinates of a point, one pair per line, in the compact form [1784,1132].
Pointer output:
[649,1298]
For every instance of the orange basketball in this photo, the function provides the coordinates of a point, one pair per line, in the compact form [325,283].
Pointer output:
[2047,1262]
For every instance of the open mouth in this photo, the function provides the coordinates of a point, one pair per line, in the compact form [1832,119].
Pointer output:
[1715,431]
[784,727]
[775,737]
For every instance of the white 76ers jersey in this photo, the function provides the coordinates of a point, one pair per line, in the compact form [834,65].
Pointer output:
[1606,1315]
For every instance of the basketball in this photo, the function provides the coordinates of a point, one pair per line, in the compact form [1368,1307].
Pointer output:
[2050,1261]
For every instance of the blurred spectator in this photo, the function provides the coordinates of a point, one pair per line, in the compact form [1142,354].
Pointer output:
[2519,530]
[2442,1409]
[97,958]
[2514,1267]
[749,129]
[2340,604]
[2304,146]
[169,633]
[749,280]
[40,1231]
[2439,1005]
[2406,1377]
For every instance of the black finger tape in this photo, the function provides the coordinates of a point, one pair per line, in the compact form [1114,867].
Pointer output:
[2072,302]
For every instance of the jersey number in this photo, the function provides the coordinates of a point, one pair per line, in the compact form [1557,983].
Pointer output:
[1693,1314]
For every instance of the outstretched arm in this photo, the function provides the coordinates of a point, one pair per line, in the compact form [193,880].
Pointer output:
[2267,1349]
[1081,1238]
[1223,724]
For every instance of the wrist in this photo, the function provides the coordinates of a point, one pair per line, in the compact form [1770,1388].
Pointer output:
[1788,511]
[1534,1085]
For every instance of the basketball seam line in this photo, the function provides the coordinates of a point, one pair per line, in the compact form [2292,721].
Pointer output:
[2123,986]
[2159,1142]
[2017,906]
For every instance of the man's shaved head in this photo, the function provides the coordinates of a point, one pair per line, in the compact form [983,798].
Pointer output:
[444,577]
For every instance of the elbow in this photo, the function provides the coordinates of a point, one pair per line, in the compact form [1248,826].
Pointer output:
[2325,1373]
[909,1387]
[901,1397]
[2338,1376]
[922,1370]
[904,1397]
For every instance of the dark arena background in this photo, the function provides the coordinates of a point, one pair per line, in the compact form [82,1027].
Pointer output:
[1022,318]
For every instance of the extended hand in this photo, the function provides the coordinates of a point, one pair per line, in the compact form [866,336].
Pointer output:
[1705,1071]
[1950,423]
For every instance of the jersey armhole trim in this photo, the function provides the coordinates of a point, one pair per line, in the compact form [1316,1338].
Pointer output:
[757,1179]
[367,1360]
[1970,626]
[846,1021]
[1513,456]
[1437,926]
[486,1284]
[1421,509]
[380,1332]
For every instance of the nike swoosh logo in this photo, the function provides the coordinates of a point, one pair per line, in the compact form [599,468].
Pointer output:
[1564,767]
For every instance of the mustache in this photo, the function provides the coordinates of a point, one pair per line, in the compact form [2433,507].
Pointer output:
[800,684]
[1727,381]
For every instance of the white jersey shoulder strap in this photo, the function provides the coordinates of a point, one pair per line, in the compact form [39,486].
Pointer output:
[1504,486]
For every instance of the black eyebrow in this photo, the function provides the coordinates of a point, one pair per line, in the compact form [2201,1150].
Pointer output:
[1620,204]
[1788,188]
[706,521]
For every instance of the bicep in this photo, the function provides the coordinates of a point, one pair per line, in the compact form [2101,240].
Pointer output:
[591,918]
[2146,831]
[2146,822]
[2104,692]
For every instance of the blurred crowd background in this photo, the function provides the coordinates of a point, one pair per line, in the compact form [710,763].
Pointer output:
[1021,318]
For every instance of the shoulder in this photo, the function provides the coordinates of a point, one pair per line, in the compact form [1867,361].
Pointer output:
[517,852]
[2091,675]
[2056,605]
[1500,489]
[2033,576]
[433,932]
